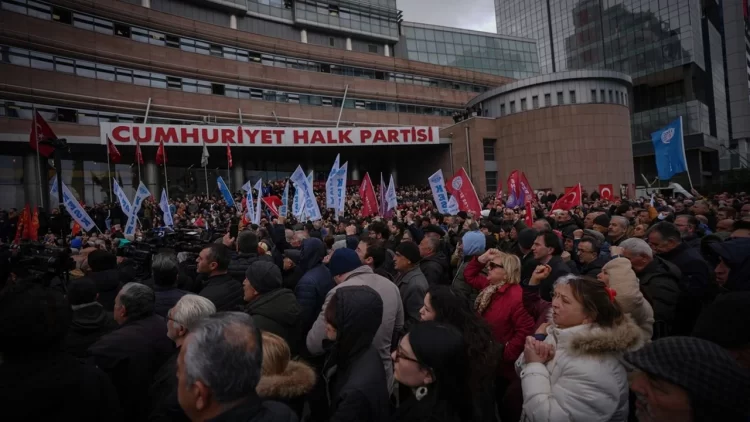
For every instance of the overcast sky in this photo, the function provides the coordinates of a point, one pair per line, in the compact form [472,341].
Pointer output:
[478,15]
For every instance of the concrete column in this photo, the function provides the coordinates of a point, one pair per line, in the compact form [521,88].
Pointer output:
[238,176]
[303,36]
[348,44]
[387,50]
[233,22]
[152,178]
[31,182]
[146,3]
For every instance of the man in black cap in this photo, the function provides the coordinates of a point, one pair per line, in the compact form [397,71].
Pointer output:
[410,280]
[688,379]
[291,273]
[601,224]
[273,308]
[526,239]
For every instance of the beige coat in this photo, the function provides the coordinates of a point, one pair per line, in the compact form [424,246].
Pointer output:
[623,280]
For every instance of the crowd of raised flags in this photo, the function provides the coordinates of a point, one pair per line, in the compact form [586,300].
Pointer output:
[458,194]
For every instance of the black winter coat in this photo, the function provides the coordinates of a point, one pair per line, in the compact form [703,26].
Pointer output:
[224,291]
[559,269]
[89,324]
[660,282]
[163,393]
[353,373]
[108,284]
[241,262]
[696,274]
[312,288]
[131,355]
[166,298]
[255,410]
[436,269]
[593,268]
[57,387]
[279,313]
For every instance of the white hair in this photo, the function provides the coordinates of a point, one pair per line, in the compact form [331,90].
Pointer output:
[623,221]
[637,246]
[190,309]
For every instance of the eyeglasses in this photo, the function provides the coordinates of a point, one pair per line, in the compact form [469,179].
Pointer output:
[580,251]
[491,266]
[400,355]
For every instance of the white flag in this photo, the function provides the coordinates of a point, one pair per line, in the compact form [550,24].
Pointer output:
[259,188]
[204,157]
[390,196]
[164,205]
[330,185]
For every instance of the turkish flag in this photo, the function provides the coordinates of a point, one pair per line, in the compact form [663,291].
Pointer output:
[273,203]
[529,219]
[138,155]
[114,154]
[161,154]
[76,229]
[461,187]
[229,156]
[605,191]
[40,131]
[367,194]
[571,199]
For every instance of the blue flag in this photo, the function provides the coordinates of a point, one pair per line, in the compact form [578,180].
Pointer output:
[669,149]
[225,191]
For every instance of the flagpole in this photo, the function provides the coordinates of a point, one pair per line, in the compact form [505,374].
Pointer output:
[166,180]
[109,173]
[684,154]
[138,159]
[38,157]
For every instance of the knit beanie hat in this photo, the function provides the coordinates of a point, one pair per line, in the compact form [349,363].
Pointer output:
[410,251]
[264,276]
[623,280]
[342,261]
[526,238]
[602,220]
[473,243]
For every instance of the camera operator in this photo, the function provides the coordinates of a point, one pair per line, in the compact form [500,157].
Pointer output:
[224,291]
[247,253]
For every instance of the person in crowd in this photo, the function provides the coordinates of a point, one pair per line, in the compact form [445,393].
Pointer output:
[733,270]
[719,321]
[90,321]
[724,226]
[547,249]
[181,319]
[314,285]
[247,253]
[372,253]
[291,272]
[410,281]
[688,379]
[589,260]
[659,280]
[665,240]
[218,370]
[353,372]
[108,279]
[347,270]
[431,361]
[131,354]
[165,269]
[640,230]
[434,263]
[38,380]
[617,230]
[500,303]
[526,238]
[445,306]
[558,379]
[688,227]
[283,379]
[619,276]
[740,229]
[220,287]
[273,308]
[472,246]
[541,225]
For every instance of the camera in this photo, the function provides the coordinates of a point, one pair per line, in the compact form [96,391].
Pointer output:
[36,257]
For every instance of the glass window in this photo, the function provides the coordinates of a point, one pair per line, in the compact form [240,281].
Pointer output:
[611,97]
[593,95]
[572,94]
[61,15]
[124,75]
[84,68]
[83,21]
[523,104]
[535,101]
[18,56]
[158,80]
[174,82]
[602,97]
[64,65]
[560,98]
[547,100]
[157,38]
[139,34]
[502,109]
[42,61]
[204,87]
[105,72]
[489,149]
[141,78]
[512,107]
[491,178]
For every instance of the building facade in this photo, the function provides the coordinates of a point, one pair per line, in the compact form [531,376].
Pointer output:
[267,63]
[561,129]
[673,50]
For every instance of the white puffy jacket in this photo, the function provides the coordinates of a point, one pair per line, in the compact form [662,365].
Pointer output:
[585,380]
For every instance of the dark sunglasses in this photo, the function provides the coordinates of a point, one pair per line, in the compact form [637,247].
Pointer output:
[491,266]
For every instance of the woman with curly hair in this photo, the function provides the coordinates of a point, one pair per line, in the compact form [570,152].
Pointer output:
[442,304]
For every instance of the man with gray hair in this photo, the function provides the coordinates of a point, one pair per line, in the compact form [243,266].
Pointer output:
[131,354]
[659,280]
[165,269]
[434,264]
[181,320]
[617,230]
[218,368]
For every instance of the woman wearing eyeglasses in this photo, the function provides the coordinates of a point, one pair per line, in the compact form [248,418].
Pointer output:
[431,361]
[500,303]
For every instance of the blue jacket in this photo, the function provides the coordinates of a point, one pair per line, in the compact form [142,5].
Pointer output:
[312,288]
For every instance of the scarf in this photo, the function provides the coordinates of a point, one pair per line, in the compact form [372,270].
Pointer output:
[485,296]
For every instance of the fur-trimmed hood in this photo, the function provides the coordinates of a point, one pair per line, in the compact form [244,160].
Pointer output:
[297,380]
[594,340]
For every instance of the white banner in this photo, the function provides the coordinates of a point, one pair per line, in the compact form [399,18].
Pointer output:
[164,205]
[390,196]
[453,208]
[249,136]
[122,198]
[140,195]
[73,206]
[310,204]
[331,201]
[259,189]
[339,186]
[439,194]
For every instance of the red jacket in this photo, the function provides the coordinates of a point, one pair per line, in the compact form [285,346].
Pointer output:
[508,319]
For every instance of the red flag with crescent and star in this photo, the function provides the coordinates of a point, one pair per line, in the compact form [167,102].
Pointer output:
[273,203]
[41,131]
[114,153]
[605,191]
[571,199]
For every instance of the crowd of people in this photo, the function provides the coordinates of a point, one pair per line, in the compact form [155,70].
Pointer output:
[612,311]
